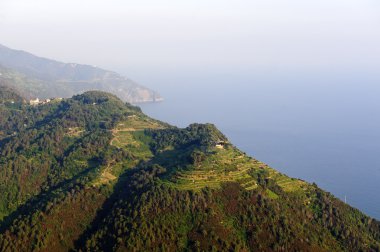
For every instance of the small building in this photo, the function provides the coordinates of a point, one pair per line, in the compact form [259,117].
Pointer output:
[37,101]
[34,102]
[220,144]
[44,101]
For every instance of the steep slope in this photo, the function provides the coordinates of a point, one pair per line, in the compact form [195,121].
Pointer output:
[44,78]
[94,174]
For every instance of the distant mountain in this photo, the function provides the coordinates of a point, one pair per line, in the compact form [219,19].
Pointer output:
[92,173]
[45,78]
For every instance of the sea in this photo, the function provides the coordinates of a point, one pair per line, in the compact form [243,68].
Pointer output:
[322,127]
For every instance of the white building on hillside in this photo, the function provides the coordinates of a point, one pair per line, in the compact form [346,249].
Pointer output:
[34,102]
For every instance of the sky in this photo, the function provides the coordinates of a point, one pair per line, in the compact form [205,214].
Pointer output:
[147,36]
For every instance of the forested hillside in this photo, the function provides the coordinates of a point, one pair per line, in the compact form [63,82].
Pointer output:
[92,173]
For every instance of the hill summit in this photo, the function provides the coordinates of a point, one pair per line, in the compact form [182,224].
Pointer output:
[91,173]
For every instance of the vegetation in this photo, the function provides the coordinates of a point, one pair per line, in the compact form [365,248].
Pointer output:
[8,95]
[91,173]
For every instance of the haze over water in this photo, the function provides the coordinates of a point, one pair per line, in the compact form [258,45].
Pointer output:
[320,127]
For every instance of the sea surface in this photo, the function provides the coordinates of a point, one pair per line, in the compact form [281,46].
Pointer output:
[320,127]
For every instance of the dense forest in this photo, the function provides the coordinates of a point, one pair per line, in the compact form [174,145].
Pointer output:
[92,173]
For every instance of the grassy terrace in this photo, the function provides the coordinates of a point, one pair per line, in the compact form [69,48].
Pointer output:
[138,123]
[286,183]
[223,165]
[105,177]
[227,165]
[129,135]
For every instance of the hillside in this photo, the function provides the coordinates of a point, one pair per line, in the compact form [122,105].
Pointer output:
[45,78]
[92,173]
[9,95]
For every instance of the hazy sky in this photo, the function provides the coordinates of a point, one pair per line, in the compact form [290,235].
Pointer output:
[155,35]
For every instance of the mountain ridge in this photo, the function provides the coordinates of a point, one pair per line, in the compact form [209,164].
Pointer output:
[44,78]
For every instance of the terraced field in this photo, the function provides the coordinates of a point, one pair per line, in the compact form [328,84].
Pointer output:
[223,165]
[288,184]
[129,135]
[230,165]
[105,177]
[138,123]
[226,164]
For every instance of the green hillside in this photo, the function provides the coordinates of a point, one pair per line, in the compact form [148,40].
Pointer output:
[92,173]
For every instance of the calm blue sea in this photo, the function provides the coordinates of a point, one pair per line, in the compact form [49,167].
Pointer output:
[320,127]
